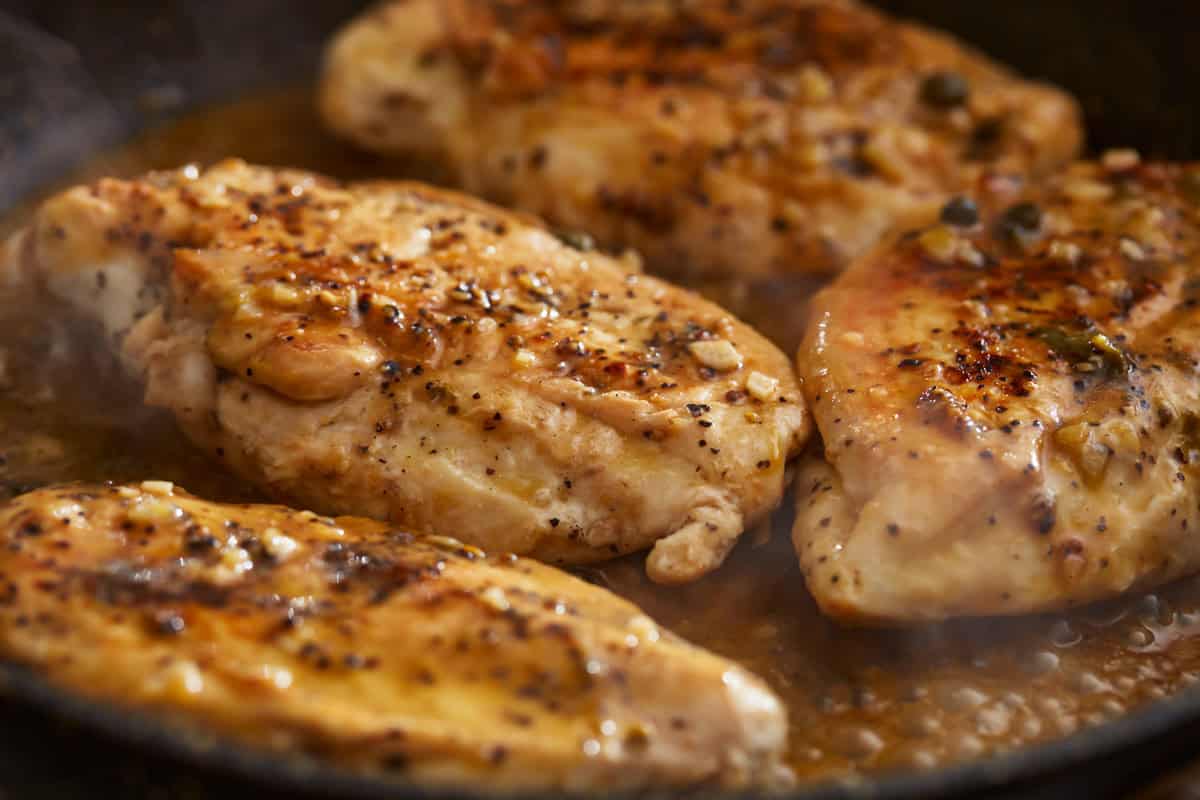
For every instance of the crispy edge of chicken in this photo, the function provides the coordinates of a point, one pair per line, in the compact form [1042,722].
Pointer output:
[757,140]
[1009,406]
[406,353]
[376,649]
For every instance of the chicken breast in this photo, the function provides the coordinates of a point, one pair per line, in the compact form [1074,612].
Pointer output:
[1008,400]
[272,626]
[758,139]
[404,353]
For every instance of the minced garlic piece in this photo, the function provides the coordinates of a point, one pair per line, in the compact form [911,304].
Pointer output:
[529,280]
[940,243]
[1087,190]
[913,141]
[761,387]
[494,596]
[1088,453]
[1147,225]
[160,488]
[277,544]
[234,561]
[284,295]
[717,354]
[815,84]
[237,559]
[1132,250]
[212,197]
[882,151]
[943,243]
[68,512]
[1062,252]
[1120,160]
[523,359]
[150,510]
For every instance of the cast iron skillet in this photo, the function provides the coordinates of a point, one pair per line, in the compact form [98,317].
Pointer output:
[76,77]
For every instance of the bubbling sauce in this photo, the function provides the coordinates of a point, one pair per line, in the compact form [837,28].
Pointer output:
[860,701]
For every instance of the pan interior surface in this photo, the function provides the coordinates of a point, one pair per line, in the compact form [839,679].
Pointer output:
[961,699]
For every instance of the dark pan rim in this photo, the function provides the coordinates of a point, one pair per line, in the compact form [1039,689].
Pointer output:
[311,776]
[1021,767]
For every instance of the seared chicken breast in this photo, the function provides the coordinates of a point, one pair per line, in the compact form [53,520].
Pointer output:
[377,649]
[1008,400]
[755,139]
[405,353]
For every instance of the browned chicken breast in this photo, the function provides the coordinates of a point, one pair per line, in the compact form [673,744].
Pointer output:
[1009,402]
[761,138]
[405,353]
[368,646]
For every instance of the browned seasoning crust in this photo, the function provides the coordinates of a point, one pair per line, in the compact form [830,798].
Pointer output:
[1008,401]
[756,138]
[377,649]
[402,352]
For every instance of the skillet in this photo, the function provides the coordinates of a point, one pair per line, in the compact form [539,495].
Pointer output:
[75,81]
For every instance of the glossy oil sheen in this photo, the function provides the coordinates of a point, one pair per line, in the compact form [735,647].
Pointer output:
[861,701]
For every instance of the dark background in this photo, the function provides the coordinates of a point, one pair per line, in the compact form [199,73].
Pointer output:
[78,76]
[85,73]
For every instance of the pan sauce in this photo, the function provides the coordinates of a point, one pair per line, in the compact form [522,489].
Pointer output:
[860,701]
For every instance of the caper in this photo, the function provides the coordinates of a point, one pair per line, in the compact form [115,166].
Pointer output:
[960,212]
[1021,220]
[945,90]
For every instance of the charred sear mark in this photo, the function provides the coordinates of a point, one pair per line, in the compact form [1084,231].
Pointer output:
[981,358]
[123,584]
[359,569]
[522,50]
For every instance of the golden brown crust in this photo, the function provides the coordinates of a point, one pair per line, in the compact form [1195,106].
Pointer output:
[1009,407]
[399,351]
[756,139]
[271,626]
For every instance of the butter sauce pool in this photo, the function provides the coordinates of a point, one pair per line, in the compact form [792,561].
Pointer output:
[860,701]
